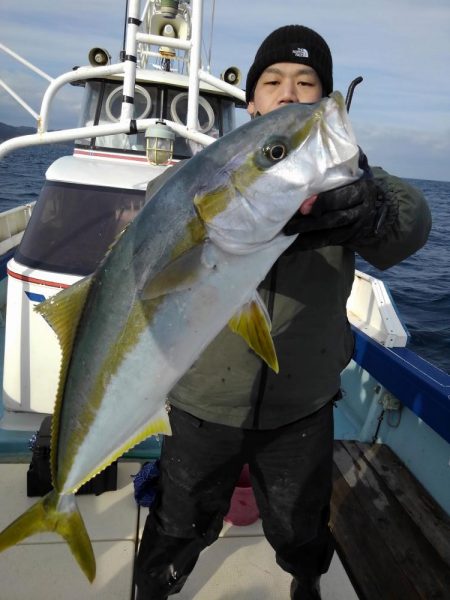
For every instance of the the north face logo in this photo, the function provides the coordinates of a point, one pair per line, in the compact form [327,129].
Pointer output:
[301,53]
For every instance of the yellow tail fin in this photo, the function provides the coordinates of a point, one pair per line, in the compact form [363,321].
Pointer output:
[54,513]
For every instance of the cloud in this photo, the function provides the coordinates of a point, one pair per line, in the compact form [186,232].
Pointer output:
[406,152]
[401,48]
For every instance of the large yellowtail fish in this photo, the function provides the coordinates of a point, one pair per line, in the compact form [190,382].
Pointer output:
[189,264]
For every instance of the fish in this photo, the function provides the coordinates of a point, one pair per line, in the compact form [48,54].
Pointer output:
[185,267]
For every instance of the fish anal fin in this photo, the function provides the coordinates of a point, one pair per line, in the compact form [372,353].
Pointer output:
[59,514]
[159,423]
[252,323]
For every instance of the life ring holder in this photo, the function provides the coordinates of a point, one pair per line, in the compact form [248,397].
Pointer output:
[202,102]
[138,90]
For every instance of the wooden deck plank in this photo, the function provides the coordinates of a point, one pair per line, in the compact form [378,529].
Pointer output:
[364,554]
[416,501]
[363,559]
[374,533]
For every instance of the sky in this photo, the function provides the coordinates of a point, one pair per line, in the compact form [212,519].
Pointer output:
[400,113]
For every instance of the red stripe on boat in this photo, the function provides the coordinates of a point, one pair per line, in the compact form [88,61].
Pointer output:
[38,281]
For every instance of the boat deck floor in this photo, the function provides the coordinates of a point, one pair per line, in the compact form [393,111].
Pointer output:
[240,564]
[391,537]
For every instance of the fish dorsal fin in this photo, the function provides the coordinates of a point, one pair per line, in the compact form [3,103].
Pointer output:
[62,312]
[252,322]
[181,273]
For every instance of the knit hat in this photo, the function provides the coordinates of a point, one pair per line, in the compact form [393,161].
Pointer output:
[297,44]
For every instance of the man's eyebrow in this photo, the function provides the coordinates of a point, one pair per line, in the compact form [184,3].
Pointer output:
[302,70]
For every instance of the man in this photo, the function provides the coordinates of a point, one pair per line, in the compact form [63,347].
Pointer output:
[229,409]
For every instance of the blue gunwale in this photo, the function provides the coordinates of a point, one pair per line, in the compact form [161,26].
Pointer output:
[419,385]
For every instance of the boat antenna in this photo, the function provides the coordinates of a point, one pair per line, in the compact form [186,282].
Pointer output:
[351,89]
[211,33]
[125,21]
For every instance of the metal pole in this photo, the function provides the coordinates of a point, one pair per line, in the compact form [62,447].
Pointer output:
[18,99]
[129,79]
[194,64]
[26,63]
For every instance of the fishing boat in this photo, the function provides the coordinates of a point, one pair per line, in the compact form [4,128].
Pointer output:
[157,105]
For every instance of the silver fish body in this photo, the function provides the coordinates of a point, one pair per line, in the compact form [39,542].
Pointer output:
[187,265]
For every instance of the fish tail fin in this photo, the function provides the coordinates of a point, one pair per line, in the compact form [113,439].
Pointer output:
[58,513]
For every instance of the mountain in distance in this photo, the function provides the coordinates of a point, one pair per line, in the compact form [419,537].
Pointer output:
[9,131]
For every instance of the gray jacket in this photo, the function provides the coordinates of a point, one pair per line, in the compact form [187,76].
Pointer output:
[229,384]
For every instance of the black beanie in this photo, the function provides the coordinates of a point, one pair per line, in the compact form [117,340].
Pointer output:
[297,44]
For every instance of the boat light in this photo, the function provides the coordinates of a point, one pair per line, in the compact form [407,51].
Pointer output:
[159,143]
[169,8]
[168,31]
[98,57]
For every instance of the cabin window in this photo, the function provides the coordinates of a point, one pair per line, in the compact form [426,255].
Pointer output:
[72,226]
[103,104]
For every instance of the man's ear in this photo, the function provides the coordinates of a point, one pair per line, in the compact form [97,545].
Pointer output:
[251,108]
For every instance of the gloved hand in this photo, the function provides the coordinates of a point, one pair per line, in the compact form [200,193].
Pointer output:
[348,215]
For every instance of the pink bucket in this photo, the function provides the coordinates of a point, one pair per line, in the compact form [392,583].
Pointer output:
[243,509]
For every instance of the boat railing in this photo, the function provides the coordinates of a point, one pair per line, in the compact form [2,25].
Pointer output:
[127,68]
[371,309]
[12,226]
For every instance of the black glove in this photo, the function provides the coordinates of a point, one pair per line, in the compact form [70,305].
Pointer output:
[352,214]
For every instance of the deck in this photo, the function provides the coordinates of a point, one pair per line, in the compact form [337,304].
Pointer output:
[240,564]
[391,536]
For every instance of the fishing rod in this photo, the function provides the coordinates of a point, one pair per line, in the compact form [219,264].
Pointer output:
[351,89]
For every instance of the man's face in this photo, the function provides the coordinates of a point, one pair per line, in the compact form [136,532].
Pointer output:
[285,83]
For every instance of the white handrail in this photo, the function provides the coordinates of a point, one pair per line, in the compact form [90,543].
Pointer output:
[160,40]
[222,85]
[79,74]
[68,135]
[128,68]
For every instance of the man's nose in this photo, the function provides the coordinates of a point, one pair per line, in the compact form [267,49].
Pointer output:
[288,91]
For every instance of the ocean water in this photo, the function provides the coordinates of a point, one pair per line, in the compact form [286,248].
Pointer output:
[420,285]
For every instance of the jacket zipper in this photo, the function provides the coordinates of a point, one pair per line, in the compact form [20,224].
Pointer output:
[264,366]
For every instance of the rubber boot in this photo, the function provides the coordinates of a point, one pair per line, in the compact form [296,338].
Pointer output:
[307,588]
[141,596]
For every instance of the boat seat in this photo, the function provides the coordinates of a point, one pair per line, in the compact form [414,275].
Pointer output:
[391,536]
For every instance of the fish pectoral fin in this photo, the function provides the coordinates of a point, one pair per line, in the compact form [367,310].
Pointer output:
[59,514]
[180,274]
[252,322]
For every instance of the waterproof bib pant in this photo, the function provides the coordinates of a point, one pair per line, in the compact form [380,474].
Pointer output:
[291,474]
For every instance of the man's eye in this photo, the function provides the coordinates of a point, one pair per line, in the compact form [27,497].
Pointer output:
[306,83]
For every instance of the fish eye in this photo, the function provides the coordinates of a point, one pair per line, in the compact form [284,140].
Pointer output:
[273,151]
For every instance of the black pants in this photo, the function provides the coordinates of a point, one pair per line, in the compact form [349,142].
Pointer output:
[291,474]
